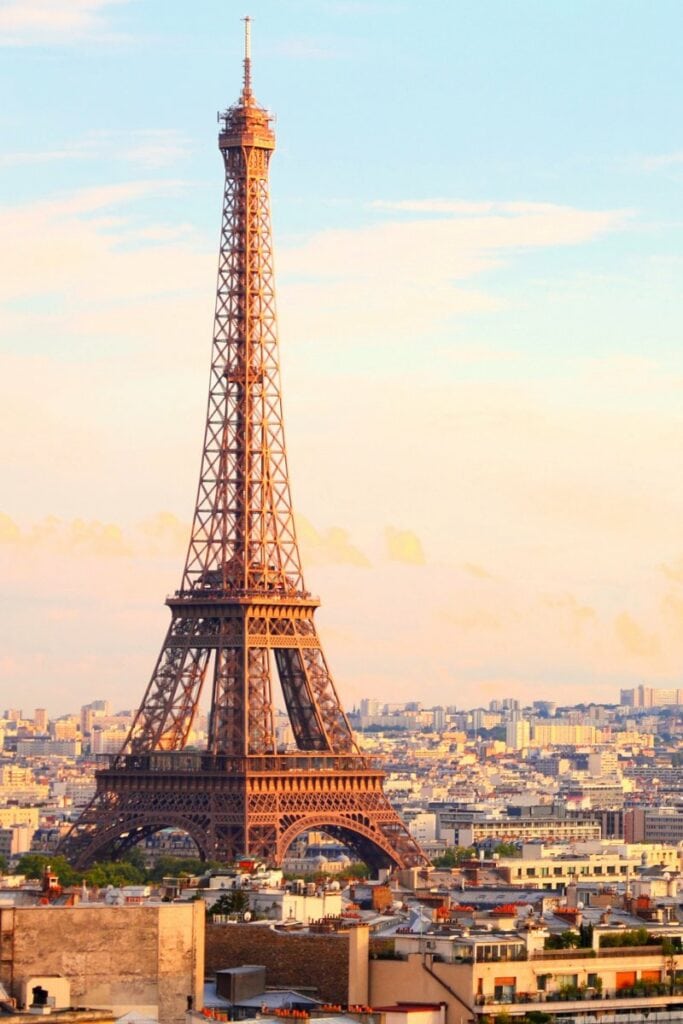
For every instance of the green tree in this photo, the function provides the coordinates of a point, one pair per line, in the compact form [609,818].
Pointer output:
[33,866]
[507,850]
[563,940]
[357,870]
[136,857]
[3,865]
[116,873]
[168,866]
[235,901]
[454,856]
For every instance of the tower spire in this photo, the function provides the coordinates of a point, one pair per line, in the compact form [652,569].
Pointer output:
[246,85]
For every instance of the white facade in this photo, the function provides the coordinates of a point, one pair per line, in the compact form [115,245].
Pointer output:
[423,827]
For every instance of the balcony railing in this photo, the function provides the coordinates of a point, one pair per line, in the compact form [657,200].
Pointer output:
[590,1002]
[603,951]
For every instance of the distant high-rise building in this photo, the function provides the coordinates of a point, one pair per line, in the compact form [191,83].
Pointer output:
[482,719]
[91,712]
[518,734]
[603,762]
[65,728]
[40,719]
[438,719]
[561,734]
[369,707]
[645,697]
[651,697]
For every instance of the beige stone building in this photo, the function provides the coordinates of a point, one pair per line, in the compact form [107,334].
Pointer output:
[547,868]
[143,958]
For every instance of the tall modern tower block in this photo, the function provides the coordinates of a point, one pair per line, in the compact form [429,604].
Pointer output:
[243,619]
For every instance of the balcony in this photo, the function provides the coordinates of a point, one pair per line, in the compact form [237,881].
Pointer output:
[608,1008]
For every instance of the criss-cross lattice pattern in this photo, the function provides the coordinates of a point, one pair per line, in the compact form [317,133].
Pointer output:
[242,591]
[242,610]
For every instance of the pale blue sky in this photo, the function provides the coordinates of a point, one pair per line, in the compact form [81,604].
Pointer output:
[478,230]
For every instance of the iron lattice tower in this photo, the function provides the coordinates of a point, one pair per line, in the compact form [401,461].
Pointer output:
[241,604]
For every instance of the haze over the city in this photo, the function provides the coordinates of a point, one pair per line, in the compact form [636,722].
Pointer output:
[477,217]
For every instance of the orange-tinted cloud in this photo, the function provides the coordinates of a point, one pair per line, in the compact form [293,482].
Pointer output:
[576,615]
[476,620]
[634,638]
[404,546]
[673,570]
[165,534]
[75,536]
[478,571]
[329,547]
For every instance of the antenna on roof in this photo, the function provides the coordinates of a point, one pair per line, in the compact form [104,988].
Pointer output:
[246,90]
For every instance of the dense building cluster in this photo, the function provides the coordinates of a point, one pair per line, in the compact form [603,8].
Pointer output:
[555,834]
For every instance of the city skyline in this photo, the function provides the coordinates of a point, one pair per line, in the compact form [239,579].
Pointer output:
[504,269]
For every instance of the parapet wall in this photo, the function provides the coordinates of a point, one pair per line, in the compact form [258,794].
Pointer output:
[318,964]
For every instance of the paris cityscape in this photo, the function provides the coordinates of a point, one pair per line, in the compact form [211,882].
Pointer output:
[410,751]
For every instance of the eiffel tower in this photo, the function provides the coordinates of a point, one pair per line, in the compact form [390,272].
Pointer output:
[242,604]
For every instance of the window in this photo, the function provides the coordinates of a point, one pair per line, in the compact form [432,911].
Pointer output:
[625,979]
[504,990]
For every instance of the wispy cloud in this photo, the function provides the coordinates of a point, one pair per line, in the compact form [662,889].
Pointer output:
[162,534]
[673,570]
[37,22]
[663,160]
[576,615]
[356,280]
[467,207]
[150,149]
[634,637]
[478,571]
[86,248]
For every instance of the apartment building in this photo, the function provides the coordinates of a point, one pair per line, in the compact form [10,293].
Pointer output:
[552,868]
[488,976]
[654,824]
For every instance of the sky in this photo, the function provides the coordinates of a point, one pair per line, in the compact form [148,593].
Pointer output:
[478,226]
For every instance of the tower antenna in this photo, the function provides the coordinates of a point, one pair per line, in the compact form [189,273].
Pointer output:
[246,90]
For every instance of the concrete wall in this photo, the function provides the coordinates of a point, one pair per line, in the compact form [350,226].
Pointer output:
[393,981]
[148,958]
[292,959]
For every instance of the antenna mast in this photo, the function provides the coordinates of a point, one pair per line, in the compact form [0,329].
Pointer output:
[246,89]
